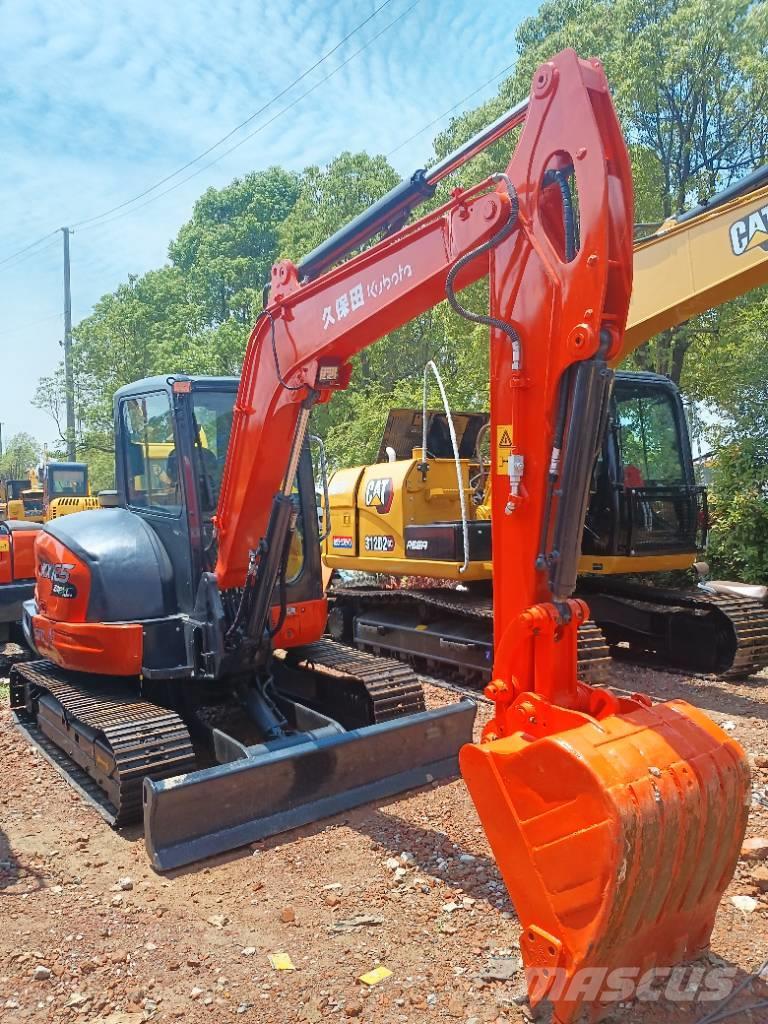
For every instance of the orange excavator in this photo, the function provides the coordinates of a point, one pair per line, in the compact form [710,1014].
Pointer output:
[616,823]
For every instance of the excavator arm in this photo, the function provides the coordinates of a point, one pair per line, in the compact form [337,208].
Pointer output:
[616,824]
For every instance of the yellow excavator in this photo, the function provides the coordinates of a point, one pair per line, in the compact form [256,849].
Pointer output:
[411,537]
[11,490]
[56,489]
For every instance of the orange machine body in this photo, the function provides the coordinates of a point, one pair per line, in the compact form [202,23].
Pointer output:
[17,570]
[17,552]
[64,632]
[616,824]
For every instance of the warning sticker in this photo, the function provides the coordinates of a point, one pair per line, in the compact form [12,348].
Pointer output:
[5,544]
[503,446]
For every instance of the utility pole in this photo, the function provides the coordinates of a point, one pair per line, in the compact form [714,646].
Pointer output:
[1,440]
[69,377]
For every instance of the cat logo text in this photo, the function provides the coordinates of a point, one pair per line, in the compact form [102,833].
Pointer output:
[750,232]
[379,493]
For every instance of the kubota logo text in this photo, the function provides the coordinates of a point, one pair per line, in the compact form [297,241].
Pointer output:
[750,232]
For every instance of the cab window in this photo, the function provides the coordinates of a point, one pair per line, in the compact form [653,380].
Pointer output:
[296,551]
[71,482]
[151,463]
[651,452]
[212,425]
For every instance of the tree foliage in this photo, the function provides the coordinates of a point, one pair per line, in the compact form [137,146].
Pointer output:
[739,511]
[20,454]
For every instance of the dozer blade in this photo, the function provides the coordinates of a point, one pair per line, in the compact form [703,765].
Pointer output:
[616,840]
[208,812]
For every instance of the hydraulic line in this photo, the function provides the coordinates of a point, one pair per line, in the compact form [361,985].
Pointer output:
[569,220]
[554,463]
[394,208]
[591,392]
[483,318]
[515,459]
[323,460]
[457,462]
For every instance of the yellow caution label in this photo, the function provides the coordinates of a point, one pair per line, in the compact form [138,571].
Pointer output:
[503,446]
[281,962]
[5,543]
[375,976]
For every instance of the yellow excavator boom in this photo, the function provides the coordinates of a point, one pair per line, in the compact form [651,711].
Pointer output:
[699,260]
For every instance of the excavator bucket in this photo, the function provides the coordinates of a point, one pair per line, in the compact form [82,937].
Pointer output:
[270,788]
[616,840]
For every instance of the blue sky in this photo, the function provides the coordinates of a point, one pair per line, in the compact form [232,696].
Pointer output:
[99,101]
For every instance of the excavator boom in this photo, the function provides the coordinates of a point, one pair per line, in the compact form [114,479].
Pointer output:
[647,513]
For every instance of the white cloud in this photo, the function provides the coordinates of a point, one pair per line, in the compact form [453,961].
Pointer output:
[98,101]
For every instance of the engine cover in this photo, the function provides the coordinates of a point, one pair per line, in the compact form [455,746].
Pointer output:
[107,565]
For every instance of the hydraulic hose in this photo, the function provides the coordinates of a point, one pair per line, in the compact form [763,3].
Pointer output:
[457,461]
[483,318]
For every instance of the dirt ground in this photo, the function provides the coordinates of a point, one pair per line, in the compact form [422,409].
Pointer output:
[89,932]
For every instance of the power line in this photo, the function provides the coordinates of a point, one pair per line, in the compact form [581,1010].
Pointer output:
[31,255]
[460,103]
[97,217]
[14,331]
[20,252]
[237,128]
[266,124]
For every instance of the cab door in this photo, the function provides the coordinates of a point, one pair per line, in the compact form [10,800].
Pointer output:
[151,480]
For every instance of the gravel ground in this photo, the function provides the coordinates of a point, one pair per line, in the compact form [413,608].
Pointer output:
[89,932]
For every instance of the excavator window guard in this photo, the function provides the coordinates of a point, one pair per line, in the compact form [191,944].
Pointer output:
[645,499]
[212,424]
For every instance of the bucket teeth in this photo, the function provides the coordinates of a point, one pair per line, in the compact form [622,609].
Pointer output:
[616,840]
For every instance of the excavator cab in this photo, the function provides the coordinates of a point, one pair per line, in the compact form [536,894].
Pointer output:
[65,479]
[12,491]
[128,594]
[646,512]
[29,506]
[172,437]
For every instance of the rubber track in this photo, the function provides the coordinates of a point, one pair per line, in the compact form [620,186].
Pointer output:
[393,688]
[143,739]
[594,656]
[748,619]
[750,623]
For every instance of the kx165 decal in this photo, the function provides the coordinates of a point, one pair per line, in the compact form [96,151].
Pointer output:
[58,574]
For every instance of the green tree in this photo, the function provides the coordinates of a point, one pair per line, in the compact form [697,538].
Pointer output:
[20,454]
[192,315]
[690,82]
[226,251]
[739,510]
